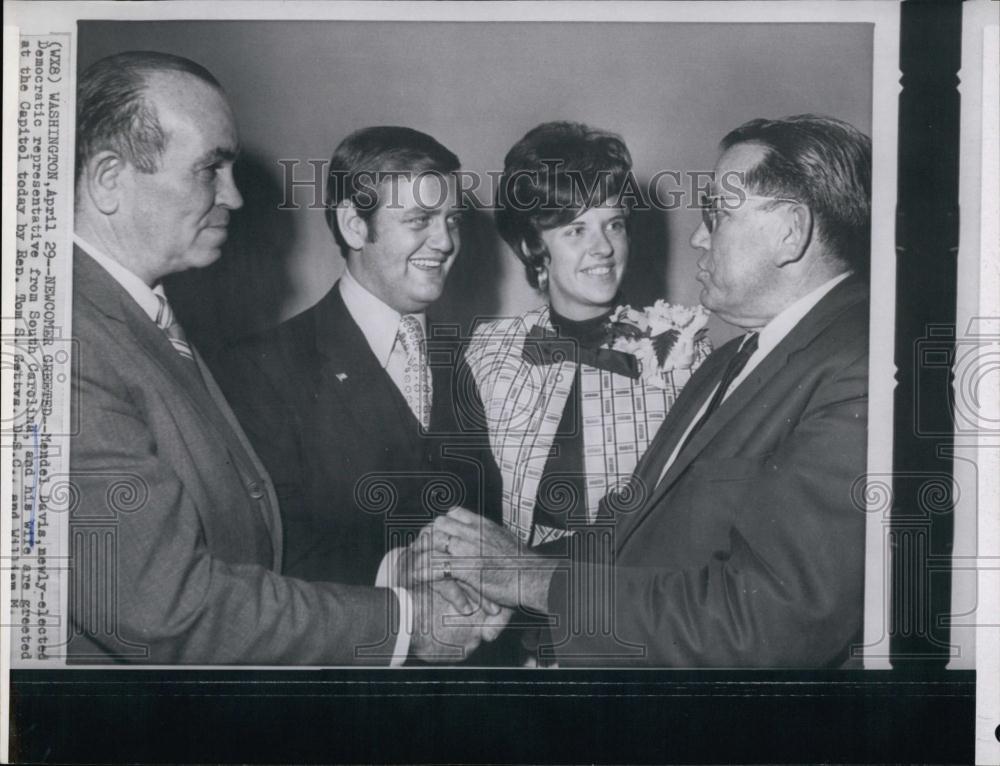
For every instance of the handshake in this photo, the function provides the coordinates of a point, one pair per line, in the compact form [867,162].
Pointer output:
[466,576]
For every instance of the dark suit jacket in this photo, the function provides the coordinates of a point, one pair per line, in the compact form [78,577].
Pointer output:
[751,551]
[175,534]
[353,473]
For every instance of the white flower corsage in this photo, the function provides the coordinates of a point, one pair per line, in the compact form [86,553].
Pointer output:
[662,337]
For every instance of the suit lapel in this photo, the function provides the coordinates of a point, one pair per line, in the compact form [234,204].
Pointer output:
[349,370]
[812,324]
[112,300]
[175,375]
[273,519]
[734,403]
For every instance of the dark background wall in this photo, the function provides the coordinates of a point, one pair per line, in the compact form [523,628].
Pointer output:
[297,88]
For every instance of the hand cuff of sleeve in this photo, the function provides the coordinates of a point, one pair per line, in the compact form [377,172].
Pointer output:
[387,569]
[402,647]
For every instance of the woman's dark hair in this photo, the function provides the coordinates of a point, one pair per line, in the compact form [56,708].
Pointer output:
[551,176]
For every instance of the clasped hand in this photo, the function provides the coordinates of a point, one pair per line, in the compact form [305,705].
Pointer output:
[464,549]
[450,621]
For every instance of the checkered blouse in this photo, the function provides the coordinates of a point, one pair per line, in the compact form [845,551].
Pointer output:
[524,403]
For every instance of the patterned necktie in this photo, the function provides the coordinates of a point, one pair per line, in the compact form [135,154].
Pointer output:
[733,369]
[166,321]
[416,376]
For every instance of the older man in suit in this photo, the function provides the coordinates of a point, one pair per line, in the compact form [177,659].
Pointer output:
[740,543]
[359,410]
[176,537]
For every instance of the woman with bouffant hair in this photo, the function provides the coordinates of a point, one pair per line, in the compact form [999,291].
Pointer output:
[574,390]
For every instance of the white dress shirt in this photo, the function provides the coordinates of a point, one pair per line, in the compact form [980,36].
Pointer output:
[379,323]
[771,335]
[141,293]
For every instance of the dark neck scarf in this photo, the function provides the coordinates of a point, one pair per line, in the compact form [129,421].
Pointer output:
[577,341]
[589,333]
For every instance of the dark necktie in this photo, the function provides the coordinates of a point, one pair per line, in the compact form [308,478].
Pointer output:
[651,468]
[733,369]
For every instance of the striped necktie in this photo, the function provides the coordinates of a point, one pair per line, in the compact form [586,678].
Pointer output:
[167,322]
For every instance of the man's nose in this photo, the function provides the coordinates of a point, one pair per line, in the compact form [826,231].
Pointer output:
[443,238]
[227,195]
[701,239]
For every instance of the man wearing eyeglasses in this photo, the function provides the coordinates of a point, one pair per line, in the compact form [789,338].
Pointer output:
[740,543]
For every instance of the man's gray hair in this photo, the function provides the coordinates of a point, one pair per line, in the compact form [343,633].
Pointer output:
[824,163]
[113,113]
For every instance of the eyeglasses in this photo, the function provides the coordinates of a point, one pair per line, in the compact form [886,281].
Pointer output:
[710,207]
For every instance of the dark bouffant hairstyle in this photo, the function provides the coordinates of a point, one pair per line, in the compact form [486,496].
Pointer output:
[552,175]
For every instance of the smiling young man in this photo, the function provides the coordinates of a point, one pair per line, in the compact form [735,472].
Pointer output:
[354,423]
[175,535]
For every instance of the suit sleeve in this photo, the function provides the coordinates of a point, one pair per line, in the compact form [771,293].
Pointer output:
[146,585]
[787,590]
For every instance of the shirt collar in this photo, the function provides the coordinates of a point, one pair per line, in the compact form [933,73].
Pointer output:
[141,293]
[379,323]
[775,331]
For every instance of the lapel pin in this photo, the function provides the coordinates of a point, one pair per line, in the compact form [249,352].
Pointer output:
[341,376]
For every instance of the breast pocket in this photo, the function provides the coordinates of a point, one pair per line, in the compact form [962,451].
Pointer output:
[732,469]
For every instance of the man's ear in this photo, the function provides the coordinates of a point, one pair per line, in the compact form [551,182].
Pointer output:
[795,235]
[353,228]
[103,181]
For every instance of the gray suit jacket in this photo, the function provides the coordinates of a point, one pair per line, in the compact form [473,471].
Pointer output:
[751,550]
[175,532]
